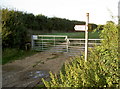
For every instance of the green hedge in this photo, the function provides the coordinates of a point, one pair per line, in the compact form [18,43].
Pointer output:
[101,69]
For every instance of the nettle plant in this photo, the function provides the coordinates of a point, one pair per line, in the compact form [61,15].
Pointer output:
[101,69]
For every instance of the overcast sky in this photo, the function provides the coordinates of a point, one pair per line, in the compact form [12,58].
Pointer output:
[100,10]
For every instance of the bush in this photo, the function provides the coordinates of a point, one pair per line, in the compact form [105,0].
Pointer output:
[101,69]
[13,30]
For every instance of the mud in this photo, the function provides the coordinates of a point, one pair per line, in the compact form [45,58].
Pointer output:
[29,71]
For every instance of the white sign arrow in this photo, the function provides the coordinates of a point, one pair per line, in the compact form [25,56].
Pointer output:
[80,27]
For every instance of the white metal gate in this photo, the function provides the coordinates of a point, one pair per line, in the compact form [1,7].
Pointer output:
[60,43]
[55,43]
[76,45]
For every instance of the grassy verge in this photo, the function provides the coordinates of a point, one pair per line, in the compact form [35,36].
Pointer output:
[10,54]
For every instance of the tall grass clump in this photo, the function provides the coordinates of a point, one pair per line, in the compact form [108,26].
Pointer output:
[101,68]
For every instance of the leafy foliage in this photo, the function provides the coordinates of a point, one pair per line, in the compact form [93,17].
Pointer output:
[14,31]
[101,69]
[17,26]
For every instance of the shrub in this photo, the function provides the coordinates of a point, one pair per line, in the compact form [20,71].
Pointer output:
[13,30]
[101,69]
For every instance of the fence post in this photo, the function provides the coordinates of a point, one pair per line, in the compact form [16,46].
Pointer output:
[42,42]
[54,40]
[67,45]
[32,42]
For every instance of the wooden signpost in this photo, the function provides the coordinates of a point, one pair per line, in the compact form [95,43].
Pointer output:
[84,28]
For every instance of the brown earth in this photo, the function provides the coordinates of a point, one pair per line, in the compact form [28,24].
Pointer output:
[29,71]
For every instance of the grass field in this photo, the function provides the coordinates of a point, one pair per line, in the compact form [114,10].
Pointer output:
[91,35]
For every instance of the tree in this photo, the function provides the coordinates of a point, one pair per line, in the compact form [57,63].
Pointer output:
[19,26]
[14,31]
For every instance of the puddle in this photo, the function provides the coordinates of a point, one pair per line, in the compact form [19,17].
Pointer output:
[38,74]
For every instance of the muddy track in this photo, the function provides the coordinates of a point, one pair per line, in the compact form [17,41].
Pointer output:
[29,71]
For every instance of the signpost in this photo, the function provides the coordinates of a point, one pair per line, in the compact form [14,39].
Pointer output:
[84,28]
[80,27]
[119,12]
[86,37]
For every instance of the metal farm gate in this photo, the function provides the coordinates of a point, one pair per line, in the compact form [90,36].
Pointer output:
[60,43]
[76,45]
[54,43]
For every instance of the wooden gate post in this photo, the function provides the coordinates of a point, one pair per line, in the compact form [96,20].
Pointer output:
[67,45]
[32,42]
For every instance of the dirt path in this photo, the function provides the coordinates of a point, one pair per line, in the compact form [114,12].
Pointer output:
[29,71]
